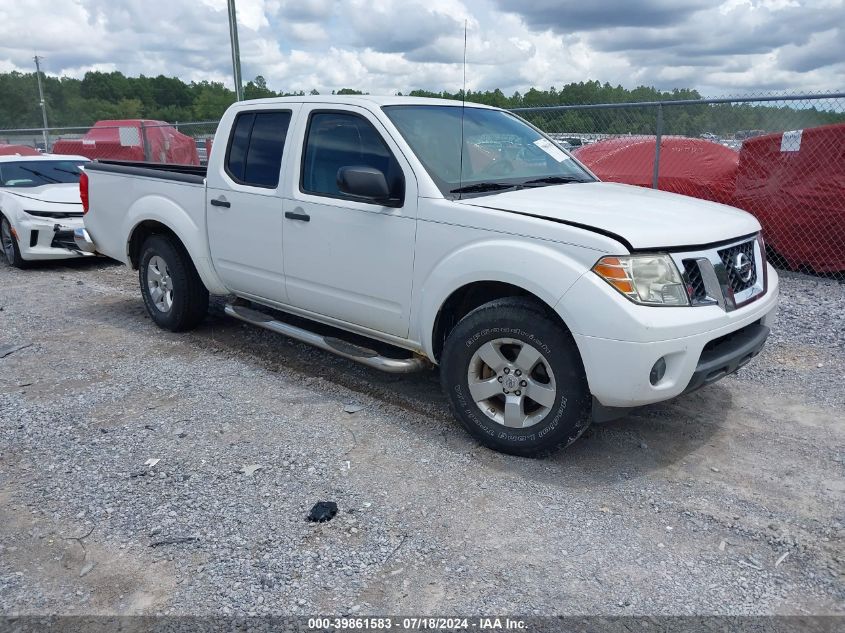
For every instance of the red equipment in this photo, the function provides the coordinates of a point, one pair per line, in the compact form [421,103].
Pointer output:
[689,166]
[133,139]
[794,183]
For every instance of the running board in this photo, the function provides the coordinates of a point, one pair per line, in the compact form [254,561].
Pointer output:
[365,356]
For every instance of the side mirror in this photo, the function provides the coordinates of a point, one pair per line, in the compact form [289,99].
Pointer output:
[367,183]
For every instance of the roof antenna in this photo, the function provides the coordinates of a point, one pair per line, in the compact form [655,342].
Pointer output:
[463,109]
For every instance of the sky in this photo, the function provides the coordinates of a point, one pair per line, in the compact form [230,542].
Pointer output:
[720,47]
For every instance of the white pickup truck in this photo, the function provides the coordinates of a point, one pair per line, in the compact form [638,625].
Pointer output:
[406,233]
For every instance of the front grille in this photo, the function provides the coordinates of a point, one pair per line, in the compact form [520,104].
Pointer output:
[694,282]
[58,215]
[740,266]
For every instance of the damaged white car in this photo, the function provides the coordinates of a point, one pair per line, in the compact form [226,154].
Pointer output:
[39,207]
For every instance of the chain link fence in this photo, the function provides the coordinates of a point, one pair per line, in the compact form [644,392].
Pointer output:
[780,158]
[135,139]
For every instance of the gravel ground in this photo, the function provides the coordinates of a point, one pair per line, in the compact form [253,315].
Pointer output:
[728,501]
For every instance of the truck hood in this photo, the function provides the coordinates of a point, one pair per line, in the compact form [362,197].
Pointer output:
[63,193]
[640,218]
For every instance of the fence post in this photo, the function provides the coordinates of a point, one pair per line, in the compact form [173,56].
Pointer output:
[658,137]
[146,142]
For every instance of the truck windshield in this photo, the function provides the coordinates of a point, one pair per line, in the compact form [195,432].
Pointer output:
[35,173]
[500,151]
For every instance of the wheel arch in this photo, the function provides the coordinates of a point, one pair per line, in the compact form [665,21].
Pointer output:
[144,228]
[490,269]
[470,296]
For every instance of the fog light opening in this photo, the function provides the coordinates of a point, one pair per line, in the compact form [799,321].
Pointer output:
[658,371]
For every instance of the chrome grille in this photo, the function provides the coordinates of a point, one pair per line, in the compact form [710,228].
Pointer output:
[740,266]
[728,275]
[694,282]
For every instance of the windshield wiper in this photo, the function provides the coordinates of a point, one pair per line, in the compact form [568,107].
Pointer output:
[40,175]
[68,171]
[553,180]
[480,187]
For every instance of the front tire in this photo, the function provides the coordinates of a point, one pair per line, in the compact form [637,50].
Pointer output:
[515,380]
[11,250]
[173,292]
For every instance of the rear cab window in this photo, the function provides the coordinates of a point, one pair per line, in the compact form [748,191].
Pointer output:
[256,147]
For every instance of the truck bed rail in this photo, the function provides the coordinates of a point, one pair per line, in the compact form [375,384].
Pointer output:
[193,174]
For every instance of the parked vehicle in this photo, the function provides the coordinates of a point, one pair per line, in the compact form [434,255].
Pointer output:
[39,207]
[460,235]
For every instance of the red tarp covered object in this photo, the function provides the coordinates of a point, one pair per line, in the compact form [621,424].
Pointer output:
[23,150]
[689,166]
[794,183]
[124,140]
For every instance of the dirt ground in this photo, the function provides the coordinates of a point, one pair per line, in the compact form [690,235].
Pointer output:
[727,501]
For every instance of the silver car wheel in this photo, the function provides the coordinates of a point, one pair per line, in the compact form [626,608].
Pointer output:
[6,239]
[512,383]
[159,283]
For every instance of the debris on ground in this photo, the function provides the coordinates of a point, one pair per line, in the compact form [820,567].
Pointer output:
[782,558]
[250,470]
[150,463]
[354,407]
[322,511]
[175,540]
[6,350]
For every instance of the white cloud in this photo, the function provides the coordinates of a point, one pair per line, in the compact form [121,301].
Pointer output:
[381,46]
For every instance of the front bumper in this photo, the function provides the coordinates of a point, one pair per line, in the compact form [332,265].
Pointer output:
[45,238]
[698,344]
[725,355]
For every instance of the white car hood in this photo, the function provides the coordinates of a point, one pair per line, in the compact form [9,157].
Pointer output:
[64,193]
[642,218]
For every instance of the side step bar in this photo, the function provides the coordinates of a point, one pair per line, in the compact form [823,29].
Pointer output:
[365,356]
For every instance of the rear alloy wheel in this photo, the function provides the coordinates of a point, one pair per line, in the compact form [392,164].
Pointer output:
[514,378]
[173,292]
[9,243]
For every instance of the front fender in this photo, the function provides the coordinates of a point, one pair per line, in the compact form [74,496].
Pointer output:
[534,266]
[192,234]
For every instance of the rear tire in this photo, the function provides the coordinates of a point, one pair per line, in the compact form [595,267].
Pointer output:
[515,380]
[11,250]
[174,295]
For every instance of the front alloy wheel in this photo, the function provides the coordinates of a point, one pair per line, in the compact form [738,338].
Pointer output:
[9,244]
[512,383]
[514,378]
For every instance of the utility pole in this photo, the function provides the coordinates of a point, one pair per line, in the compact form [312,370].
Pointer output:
[236,51]
[43,104]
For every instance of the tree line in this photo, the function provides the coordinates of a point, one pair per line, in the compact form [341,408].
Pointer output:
[112,95]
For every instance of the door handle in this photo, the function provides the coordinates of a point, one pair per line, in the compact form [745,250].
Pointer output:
[294,215]
[220,202]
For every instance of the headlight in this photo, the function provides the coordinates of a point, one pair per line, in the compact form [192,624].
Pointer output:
[645,279]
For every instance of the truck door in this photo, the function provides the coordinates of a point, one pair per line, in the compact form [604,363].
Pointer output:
[345,258]
[244,206]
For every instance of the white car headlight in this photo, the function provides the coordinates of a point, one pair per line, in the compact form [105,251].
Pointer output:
[645,279]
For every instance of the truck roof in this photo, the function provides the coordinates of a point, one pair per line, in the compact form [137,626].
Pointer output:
[378,100]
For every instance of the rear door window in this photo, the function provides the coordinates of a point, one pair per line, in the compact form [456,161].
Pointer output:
[256,148]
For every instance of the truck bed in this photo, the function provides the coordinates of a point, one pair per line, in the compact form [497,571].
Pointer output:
[124,194]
